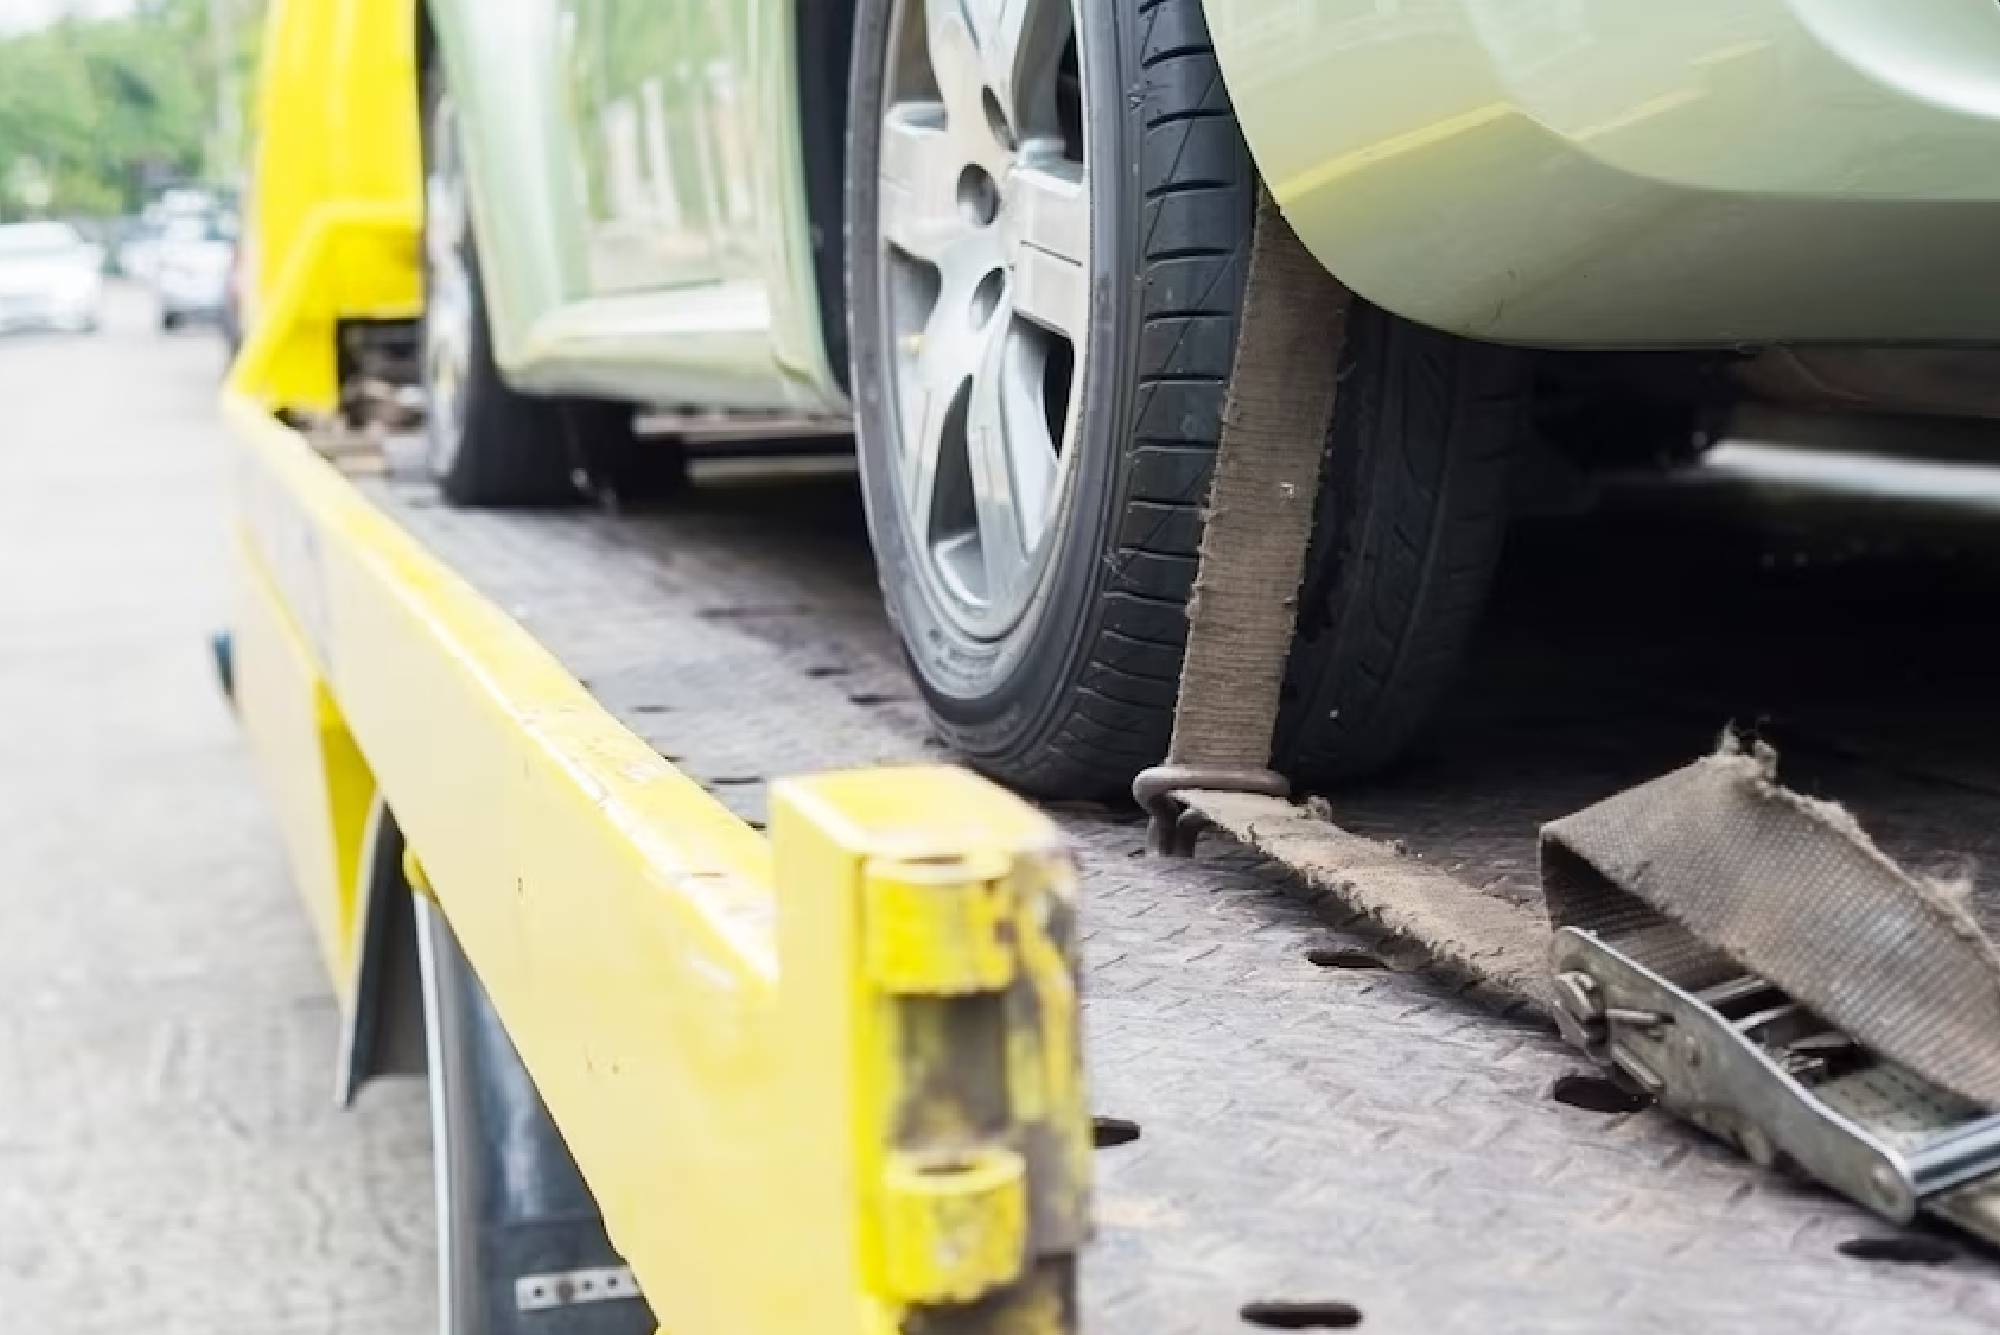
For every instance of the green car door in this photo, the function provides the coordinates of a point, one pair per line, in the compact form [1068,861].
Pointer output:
[661,118]
[633,176]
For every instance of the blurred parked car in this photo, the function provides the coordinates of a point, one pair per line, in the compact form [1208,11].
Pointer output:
[138,250]
[235,303]
[50,278]
[132,255]
[191,266]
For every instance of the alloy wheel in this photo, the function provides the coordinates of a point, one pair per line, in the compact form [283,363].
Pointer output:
[448,280]
[984,225]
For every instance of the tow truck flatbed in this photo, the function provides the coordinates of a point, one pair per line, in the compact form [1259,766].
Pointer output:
[1380,1137]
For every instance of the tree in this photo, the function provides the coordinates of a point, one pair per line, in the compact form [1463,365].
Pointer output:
[101,111]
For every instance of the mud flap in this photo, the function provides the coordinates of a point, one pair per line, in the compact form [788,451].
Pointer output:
[522,1247]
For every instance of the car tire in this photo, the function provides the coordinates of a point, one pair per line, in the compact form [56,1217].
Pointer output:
[486,443]
[511,1205]
[1079,693]
[1412,508]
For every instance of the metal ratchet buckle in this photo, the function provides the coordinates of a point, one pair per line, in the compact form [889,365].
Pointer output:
[1740,1059]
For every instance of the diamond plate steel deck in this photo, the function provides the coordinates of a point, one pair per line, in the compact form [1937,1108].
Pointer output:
[1372,1136]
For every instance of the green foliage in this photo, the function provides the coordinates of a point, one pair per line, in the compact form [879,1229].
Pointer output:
[95,113]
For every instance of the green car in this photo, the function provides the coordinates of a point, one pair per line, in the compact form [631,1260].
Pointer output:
[1006,241]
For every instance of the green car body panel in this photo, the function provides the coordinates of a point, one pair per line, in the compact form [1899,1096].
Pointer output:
[1631,173]
[639,198]
[1559,173]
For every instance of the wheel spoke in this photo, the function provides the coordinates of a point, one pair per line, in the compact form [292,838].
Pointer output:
[935,371]
[445,221]
[984,216]
[1049,219]
[1018,45]
[445,328]
[1003,442]
[445,224]
[919,173]
[954,54]
[925,413]
[448,297]
[1031,452]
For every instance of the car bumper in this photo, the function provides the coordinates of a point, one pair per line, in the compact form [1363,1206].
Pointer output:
[22,313]
[191,301]
[1624,173]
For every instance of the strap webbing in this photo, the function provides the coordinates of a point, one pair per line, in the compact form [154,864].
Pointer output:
[1783,886]
[1750,875]
[1260,505]
[1480,937]
[1791,889]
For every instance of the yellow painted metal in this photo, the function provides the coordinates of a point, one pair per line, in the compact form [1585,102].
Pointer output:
[941,1067]
[336,210]
[941,926]
[954,1225]
[308,761]
[828,1083]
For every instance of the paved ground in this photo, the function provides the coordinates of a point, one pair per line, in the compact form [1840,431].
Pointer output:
[170,1158]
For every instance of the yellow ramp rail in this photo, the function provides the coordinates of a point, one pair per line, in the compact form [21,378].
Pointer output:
[827,1083]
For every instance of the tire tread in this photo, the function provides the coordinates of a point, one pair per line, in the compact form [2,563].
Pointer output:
[513,448]
[1197,197]
[1429,421]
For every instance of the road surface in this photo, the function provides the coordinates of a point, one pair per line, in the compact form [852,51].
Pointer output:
[170,1157]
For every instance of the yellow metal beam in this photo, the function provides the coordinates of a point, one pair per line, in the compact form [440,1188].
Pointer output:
[828,1083]
[319,785]
[335,220]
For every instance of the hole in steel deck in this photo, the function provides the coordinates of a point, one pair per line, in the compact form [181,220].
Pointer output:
[1340,957]
[1302,1315]
[1902,1248]
[1595,1093]
[1107,1132]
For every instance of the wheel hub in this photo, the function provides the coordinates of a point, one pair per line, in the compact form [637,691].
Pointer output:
[984,223]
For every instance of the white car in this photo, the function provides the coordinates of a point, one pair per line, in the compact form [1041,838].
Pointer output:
[50,278]
[191,262]
[135,254]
